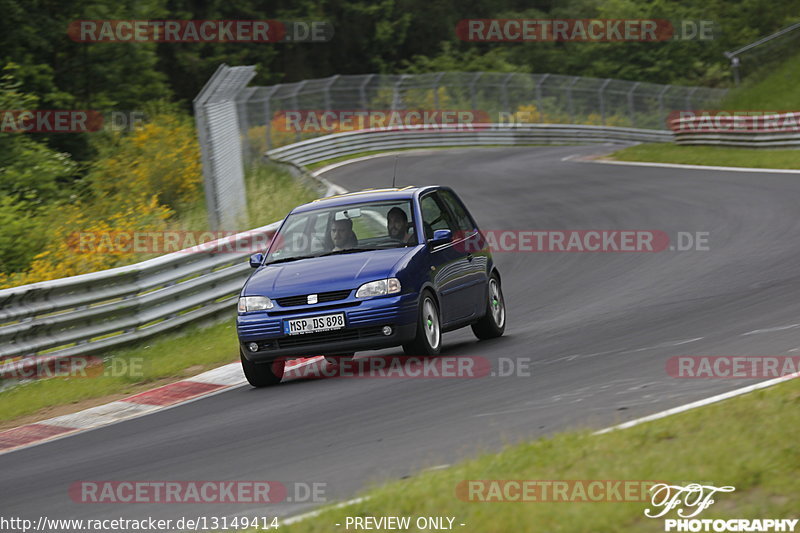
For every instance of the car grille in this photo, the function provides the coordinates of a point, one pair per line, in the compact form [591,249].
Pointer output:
[316,309]
[323,336]
[322,297]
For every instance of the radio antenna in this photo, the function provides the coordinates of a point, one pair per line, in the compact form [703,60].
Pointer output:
[394,174]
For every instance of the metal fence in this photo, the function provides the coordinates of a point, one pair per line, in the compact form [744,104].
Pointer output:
[503,97]
[218,132]
[760,55]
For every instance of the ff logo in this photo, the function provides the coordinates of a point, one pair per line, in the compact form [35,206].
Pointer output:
[668,497]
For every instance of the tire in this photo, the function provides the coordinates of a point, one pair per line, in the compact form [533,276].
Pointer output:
[428,340]
[493,323]
[338,359]
[262,374]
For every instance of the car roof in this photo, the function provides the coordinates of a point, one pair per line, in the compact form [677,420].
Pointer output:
[366,195]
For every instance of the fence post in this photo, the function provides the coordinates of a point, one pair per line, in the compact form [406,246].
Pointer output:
[735,69]
[603,101]
[506,105]
[631,107]
[328,91]
[539,85]
[661,100]
[397,99]
[268,114]
[244,121]
[362,90]
[689,95]
[472,95]
[295,104]
[436,89]
[570,107]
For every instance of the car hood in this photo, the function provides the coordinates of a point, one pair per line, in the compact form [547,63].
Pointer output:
[322,274]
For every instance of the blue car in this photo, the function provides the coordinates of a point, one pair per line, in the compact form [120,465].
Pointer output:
[363,271]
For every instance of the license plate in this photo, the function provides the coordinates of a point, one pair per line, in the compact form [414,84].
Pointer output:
[299,326]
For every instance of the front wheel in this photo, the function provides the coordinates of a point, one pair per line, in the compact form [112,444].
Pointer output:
[262,374]
[493,323]
[428,340]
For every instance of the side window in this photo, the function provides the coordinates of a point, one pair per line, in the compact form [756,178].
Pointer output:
[462,219]
[434,216]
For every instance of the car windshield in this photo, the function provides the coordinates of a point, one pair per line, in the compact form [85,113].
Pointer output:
[345,229]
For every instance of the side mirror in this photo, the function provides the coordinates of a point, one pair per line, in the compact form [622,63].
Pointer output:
[256,260]
[441,236]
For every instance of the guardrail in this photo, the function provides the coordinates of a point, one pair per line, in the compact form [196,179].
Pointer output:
[91,313]
[340,144]
[726,128]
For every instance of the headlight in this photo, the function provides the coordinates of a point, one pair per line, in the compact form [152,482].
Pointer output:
[378,288]
[254,303]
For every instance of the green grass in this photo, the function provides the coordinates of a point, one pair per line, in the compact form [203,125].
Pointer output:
[169,357]
[710,155]
[749,442]
[271,193]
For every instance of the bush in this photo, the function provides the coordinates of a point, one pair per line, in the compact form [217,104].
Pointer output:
[161,158]
[24,235]
[138,183]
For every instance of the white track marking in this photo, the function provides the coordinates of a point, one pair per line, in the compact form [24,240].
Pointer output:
[699,403]
[294,519]
[230,374]
[437,467]
[770,330]
[100,416]
[667,344]
[686,167]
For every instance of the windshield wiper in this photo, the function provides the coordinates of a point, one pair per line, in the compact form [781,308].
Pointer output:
[347,251]
[287,259]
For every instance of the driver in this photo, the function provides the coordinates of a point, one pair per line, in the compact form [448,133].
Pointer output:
[342,235]
[397,225]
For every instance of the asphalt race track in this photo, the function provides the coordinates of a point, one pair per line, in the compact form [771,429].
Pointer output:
[596,328]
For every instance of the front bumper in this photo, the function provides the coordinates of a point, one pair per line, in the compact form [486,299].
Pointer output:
[364,322]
